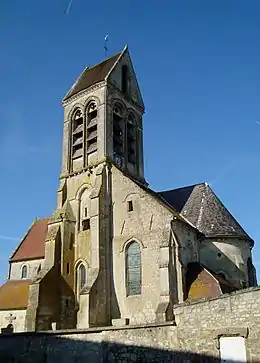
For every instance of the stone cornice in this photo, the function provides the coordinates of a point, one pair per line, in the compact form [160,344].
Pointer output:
[96,86]
[88,169]
[86,91]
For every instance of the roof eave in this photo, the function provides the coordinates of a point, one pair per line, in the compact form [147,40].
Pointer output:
[238,236]
[67,96]
[73,97]
[26,259]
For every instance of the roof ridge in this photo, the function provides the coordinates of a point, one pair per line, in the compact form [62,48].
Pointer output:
[105,60]
[187,186]
[41,219]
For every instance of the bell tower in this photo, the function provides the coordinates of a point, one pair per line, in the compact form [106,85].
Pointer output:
[103,119]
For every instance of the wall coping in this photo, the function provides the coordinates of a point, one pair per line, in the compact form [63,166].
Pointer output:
[90,330]
[224,296]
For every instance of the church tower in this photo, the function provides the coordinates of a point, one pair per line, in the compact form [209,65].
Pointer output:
[103,119]
[102,127]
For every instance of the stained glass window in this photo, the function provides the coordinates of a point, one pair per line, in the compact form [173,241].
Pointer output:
[133,269]
[82,276]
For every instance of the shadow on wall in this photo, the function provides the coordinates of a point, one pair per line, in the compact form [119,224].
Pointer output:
[214,259]
[44,348]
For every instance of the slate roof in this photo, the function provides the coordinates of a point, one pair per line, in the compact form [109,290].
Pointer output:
[33,244]
[92,75]
[204,210]
[14,294]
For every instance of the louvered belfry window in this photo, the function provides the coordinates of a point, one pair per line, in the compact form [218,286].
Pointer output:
[92,128]
[131,140]
[125,80]
[77,135]
[118,131]
[133,269]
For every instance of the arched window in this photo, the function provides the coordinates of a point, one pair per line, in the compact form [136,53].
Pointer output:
[77,135]
[125,79]
[131,139]
[92,127]
[82,276]
[133,269]
[118,131]
[24,272]
[84,217]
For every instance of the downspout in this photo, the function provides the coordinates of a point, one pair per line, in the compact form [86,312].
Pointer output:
[9,271]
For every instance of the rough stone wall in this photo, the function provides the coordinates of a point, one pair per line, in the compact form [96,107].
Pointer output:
[200,323]
[19,321]
[32,268]
[143,344]
[227,256]
[130,104]
[150,224]
[115,78]
[194,338]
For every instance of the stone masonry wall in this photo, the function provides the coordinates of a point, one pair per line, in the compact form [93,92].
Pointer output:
[193,339]
[201,323]
[32,268]
[18,322]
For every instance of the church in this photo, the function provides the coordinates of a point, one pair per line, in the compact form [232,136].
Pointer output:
[115,252]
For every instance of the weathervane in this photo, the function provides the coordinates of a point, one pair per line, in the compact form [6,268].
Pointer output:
[105,44]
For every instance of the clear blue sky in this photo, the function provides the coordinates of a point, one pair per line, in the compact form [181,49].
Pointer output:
[197,62]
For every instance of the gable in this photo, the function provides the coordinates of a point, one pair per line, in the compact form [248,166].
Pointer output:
[157,198]
[115,77]
[33,244]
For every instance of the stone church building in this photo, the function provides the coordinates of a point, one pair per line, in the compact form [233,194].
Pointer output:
[115,252]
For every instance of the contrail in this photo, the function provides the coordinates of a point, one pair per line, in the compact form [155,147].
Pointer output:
[9,238]
[68,8]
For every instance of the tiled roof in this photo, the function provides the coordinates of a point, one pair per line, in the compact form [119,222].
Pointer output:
[14,294]
[33,244]
[202,283]
[204,210]
[92,75]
